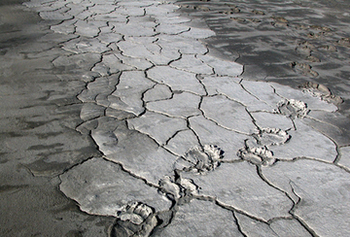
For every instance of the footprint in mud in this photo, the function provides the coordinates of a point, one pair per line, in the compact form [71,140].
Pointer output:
[305,48]
[135,219]
[292,108]
[256,155]
[272,137]
[321,91]
[178,189]
[201,160]
[304,68]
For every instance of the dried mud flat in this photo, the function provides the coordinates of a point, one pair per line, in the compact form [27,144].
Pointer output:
[164,118]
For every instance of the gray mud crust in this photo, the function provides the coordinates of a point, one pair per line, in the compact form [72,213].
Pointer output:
[164,118]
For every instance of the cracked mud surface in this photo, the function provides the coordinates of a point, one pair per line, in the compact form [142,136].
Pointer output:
[150,131]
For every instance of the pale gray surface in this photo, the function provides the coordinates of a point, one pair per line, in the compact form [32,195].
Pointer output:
[97,185]
[322,192]
[202,219]
[239,186]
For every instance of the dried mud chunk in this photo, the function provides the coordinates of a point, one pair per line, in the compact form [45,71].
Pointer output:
[257,155]
[321,91]
[203,160]
[272,137]
[292,108]
[135,219]
[181,188]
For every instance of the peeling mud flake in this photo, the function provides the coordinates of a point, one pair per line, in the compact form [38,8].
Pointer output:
[176,79]
[145,47]
[158,92]
[322,190]
[180,106]
[103,188]
[230,87]
[172,29]
[222,67]
[289,227]
[191,64]
[157,126]
[227,113]
[306,142]
[181,44]
[91,111]
[140,155]
[201,218]
[252,227]
[198,33]
[262,90]
[238,185]
[180,143]
[210,133]
[345,157]
[265,120]
[129,91]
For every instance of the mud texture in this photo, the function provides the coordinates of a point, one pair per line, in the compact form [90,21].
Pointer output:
[163,118]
